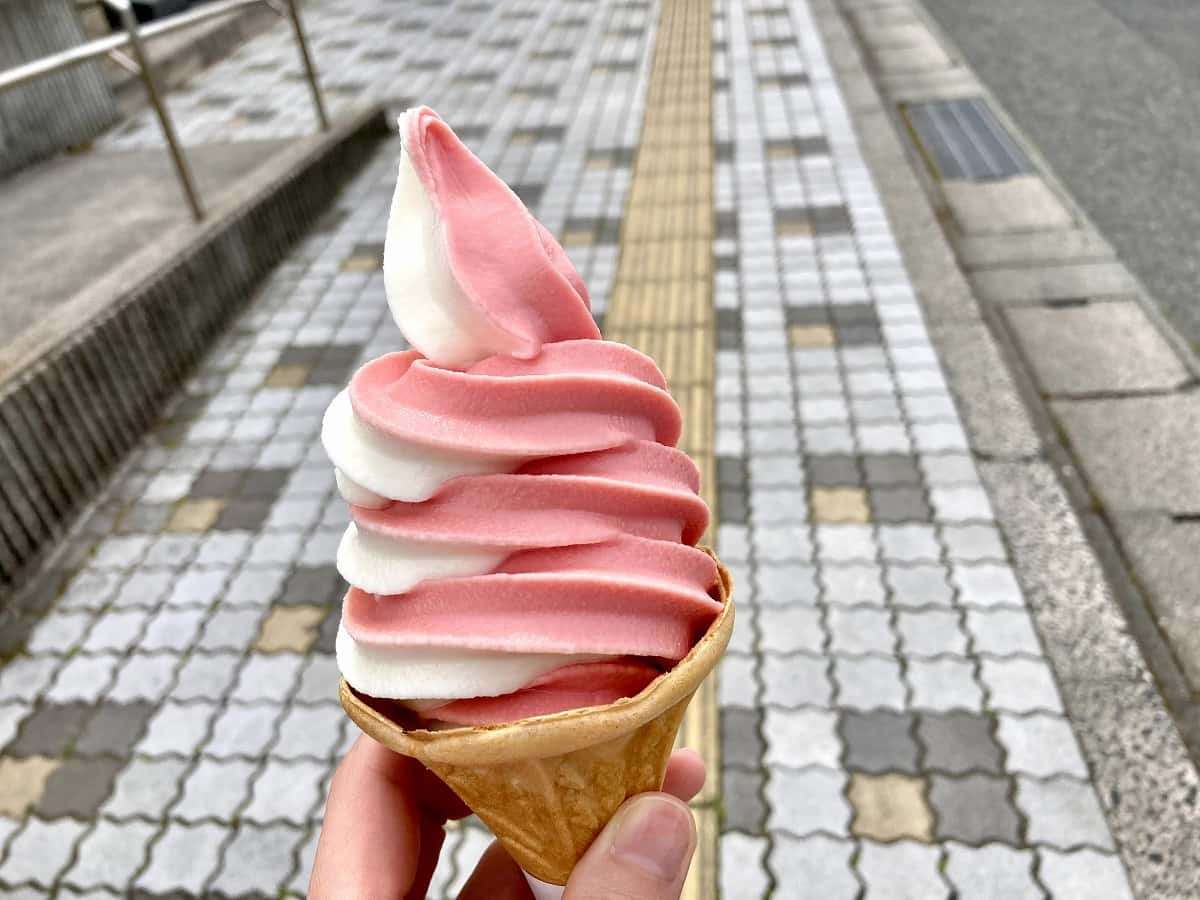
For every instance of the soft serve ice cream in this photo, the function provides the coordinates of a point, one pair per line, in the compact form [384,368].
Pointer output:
[523,528]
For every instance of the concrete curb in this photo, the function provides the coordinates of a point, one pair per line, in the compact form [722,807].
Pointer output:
[1078,588]
[78,391]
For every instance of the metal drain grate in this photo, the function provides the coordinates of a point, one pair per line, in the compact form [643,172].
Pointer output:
[963,140]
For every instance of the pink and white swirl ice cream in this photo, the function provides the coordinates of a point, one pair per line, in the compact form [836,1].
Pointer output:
[523,527]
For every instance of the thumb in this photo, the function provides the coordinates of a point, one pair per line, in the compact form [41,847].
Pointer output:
[642,854]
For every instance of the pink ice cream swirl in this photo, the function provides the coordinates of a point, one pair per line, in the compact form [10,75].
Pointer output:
[523,528]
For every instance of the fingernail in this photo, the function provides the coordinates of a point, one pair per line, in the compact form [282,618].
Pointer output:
[654,834]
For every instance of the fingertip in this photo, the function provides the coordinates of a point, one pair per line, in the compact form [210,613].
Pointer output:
[685,774]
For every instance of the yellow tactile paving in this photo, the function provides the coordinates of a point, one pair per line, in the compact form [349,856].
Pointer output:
[662,303]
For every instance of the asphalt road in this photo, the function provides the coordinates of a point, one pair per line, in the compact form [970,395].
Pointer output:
[1109,92]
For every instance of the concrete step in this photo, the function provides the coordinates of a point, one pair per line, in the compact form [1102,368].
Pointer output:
[81,384]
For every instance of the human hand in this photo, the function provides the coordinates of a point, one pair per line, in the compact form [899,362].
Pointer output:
[384,822]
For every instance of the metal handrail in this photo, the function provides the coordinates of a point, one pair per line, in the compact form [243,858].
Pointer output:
[134,38]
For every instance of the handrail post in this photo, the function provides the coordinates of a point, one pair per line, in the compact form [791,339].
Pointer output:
[309,68]
[129,20]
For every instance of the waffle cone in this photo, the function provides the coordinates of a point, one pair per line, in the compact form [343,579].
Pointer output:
[547,785]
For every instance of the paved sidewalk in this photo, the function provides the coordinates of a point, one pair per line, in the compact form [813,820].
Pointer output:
[888,719]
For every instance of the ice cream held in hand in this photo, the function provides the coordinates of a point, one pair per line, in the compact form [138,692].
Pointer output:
[523,528]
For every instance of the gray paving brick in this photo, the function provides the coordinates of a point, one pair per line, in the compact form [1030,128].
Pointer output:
[904,870]
[1062,812]
[285,791]
[258,859]
[309,731]
[1002,631]
[919,586]
[177,728]
[869,683]
[742,804]
[83,678]
[856,630]
[231,629]
[733,541]
[833,470]
[959,742]
[973,543]
[846,543]
[242,730]
[944,684]
[50,729]
[741,737]
[145,788]
[899,504]
[268,676]
[77,787]
[987,586]
[318,681]
[223,549]
[183,858]
[973,808]
[782,543]
[256,587]
[993,872]
[110,854]
[909,543]
[960,503]
[775,471]
[820,863]
[40,851]
[214,790]
[197,587]
[891,468]
[737,682]
[11,716]
[802,737]
[879,742]
[173,629]
[788,629]
[853,585]
[930,632]
[142,589]
[1019,685]
[116,631]
[826,808]
[90,590]
[881,439]
[786,585]
[205,676]
[949,469]
[59,632]
[743,867]
[114,728]
[796,680]
[120,552]
[143,676]
[744,635]
[1040,744]
[171,551]
[1083,873]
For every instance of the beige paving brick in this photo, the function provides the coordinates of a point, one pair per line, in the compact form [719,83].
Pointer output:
[840,504]
[290,628]
[889,807]
[811,336]
[22,782]
[196,515]
[287,375]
